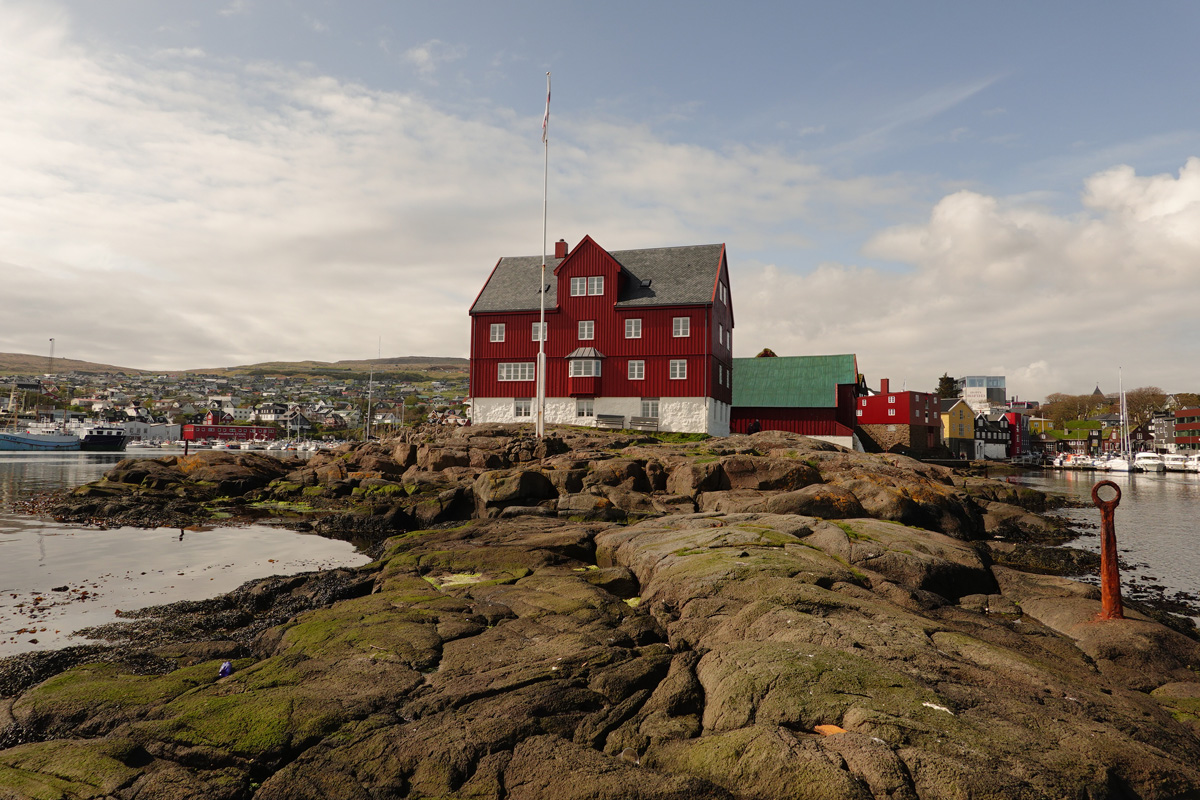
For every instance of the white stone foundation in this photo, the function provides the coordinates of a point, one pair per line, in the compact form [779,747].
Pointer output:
[675,414]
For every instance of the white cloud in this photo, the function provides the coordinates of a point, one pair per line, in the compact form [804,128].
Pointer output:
[182,210]
[234,8]
[189,211]
[432,55]
[1054,302]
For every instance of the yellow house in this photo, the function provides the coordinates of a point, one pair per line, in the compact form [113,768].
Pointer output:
[1040,425]
[958,427]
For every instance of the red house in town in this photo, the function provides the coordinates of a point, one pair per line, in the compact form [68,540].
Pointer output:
[911,420]
[1187,431]
[644,334]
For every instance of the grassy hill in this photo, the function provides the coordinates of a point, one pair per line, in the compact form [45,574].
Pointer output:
[24,364]
[431,365]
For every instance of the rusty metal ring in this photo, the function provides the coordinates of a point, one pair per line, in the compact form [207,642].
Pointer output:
[1106,505]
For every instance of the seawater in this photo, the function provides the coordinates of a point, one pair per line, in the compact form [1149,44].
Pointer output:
[1157,524]
[121,569]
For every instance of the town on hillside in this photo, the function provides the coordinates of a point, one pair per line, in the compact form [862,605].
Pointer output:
[633,339]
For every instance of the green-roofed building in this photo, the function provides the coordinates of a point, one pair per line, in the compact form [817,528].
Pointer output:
[811,395]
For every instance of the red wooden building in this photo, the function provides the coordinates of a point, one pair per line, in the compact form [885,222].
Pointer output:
[811,395]
[630,333]
[1187,431]
[230,433]
[911,420]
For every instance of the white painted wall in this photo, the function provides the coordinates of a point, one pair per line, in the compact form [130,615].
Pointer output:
[996,450]
[153,430]
[676,414]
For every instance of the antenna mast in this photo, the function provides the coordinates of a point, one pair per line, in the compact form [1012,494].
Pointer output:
[541,362]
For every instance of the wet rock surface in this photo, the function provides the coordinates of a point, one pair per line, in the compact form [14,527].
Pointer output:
[562,619]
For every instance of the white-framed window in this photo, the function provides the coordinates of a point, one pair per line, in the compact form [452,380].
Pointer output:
[858,412]
[729,378]
[637,370]
[678,369]
[578,287]
[587,329]
[681,326]
[585,368]
[496,332]
[515,371]
[633,329]
[585,407]
[722,291]
[891,398]
[650,407]
[533,333]
[595,285]
[721,334]
[523,407]
[891,412]
[720,375]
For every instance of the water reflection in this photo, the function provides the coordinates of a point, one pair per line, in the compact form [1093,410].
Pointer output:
[57,578]
[1156,523]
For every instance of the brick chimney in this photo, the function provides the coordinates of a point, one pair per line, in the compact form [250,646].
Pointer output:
[560,248]
[883,385]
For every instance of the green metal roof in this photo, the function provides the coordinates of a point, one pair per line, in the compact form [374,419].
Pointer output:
[791,381]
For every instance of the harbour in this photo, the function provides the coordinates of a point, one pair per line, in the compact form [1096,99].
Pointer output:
[1156,525]
[56,578]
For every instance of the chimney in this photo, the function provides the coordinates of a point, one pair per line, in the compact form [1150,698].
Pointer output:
[560,248]
[883,385]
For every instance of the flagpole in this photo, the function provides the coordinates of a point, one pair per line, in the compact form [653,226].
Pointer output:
[541,365]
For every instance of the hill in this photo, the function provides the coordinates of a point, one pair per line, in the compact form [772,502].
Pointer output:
[452,367]
[25,364]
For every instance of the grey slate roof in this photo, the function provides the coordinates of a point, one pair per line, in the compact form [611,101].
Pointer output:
[586,352]
[678,276]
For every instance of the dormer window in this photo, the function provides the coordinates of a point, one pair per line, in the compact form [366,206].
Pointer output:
[593,285]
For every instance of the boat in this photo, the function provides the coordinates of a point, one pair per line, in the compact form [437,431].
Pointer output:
[1193,463]
[1149,462]
[103,438]
[30,441]
[1175,462]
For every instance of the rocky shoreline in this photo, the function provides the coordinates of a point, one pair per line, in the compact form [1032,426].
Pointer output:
[599,615]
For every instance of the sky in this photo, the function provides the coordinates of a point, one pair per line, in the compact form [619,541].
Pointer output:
[938,187]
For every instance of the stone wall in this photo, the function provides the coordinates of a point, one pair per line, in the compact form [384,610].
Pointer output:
[676,414]
[889,436]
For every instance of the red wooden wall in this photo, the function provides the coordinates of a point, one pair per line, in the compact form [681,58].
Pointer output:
[657,345]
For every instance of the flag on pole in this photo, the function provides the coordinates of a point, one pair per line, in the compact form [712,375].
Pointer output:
[546,119]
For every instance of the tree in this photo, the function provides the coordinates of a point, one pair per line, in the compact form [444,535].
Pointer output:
[1142,402]
[945,387]
[1187,400]
[766,352]
[1062,408]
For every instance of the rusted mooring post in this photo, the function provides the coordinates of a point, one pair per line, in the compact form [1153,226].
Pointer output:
[1110,574]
